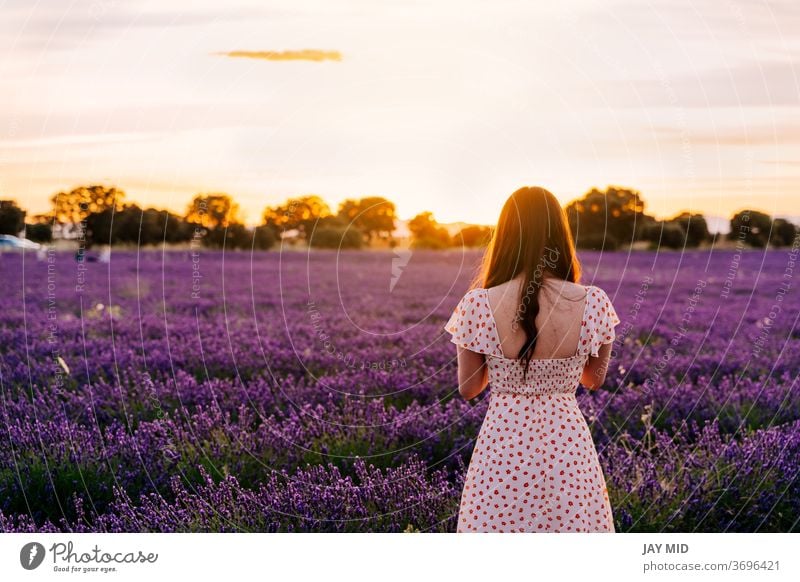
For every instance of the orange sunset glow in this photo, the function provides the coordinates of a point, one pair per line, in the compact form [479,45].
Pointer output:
[440,106]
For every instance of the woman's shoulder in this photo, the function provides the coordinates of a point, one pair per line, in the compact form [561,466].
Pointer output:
[474,293]
[502,289]
[468,324]
[599,304]
[574,287]
[566,289]
[596,292]
[602,318]
[473,298]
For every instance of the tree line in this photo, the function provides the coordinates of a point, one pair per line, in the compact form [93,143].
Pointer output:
[616,218]
[607,219]
[100,215]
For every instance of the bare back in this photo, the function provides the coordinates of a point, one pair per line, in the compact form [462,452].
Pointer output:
[561,308]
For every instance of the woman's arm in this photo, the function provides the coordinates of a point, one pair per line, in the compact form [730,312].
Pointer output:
[594,373]
[473,374]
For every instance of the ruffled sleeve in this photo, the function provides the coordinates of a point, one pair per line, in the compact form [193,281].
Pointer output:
[469,325]
[603,319]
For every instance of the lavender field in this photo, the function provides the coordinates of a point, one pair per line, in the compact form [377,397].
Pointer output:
[294,392]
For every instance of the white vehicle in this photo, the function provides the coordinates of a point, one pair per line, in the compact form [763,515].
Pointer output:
[8,241]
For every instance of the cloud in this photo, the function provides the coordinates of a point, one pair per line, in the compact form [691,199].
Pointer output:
[765,83]
[65,26]
[300,55]
[776,134]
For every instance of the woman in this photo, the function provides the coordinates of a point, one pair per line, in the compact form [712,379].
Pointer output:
[531,331]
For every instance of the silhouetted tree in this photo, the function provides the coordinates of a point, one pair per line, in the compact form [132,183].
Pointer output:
[331,220]
[605,220]
[665,233]
[12,217]
[686,230]
[426,232]
[238,237]
[72,207]
[336,237]
[234,236]
[213,210]
[175,228]
[374,216]
[132,225]
[473,236]
[752,227]
[111,227]
[783,233]
[264,238]
[299,214]
[695,227]
[40,232]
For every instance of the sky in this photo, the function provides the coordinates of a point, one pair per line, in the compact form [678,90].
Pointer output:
[435,105]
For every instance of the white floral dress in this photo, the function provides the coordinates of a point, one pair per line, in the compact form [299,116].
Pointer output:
[534,467]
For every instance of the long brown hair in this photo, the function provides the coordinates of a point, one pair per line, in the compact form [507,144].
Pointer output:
[532,237]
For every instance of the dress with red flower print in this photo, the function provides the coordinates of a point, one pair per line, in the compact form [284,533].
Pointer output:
[534,467]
